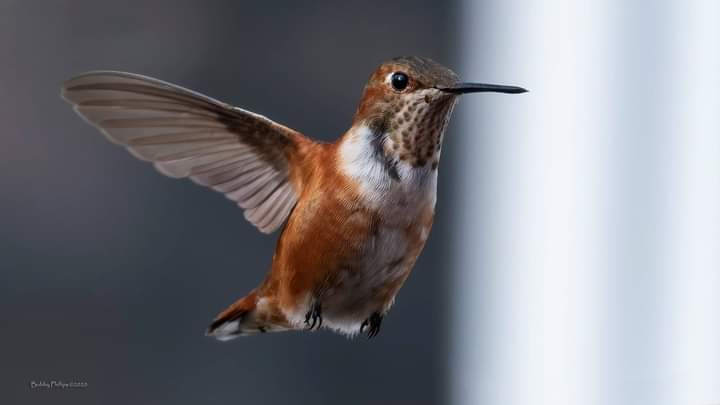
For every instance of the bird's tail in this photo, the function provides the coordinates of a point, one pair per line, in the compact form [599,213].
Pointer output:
[249,315]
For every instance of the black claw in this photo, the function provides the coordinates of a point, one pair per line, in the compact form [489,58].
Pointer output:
[314,314]
[373,323]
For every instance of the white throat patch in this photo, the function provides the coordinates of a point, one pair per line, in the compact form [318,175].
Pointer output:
[360,161]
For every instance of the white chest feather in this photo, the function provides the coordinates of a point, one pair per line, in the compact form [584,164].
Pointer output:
[396,196]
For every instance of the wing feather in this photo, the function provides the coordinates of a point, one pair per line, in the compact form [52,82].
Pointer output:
[186,134]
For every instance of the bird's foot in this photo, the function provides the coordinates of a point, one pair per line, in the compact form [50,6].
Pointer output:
[372,324]
[314,317]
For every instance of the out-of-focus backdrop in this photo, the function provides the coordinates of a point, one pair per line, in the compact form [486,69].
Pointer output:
[111,272]
[575,258]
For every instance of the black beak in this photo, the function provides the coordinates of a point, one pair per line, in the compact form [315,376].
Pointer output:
[462,88]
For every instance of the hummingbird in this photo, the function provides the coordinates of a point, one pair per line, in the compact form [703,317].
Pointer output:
[355,213]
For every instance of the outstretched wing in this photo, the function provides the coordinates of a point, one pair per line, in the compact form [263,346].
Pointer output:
[186,134]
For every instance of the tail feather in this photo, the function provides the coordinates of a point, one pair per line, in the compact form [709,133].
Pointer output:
[248,316]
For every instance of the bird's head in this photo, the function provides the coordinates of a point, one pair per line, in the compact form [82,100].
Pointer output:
[408,101]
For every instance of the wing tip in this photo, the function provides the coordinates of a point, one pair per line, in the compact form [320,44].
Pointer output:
[103,72]
[67,85]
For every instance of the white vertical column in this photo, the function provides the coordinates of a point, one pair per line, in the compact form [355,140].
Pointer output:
[693,244]
[587,258]
[530,250]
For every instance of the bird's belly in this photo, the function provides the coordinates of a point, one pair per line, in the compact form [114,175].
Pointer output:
[372,279]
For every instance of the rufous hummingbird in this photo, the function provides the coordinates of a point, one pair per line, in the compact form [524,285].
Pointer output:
[357,212]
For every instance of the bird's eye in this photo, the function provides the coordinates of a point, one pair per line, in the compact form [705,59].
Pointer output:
[399,81]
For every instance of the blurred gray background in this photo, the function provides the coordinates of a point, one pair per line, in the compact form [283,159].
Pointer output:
[110,272]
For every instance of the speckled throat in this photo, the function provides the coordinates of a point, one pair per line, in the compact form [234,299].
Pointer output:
[412,128]
[417,126]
